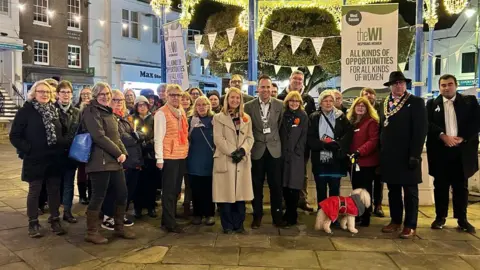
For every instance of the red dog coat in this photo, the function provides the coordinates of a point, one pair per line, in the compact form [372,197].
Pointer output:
[335,205]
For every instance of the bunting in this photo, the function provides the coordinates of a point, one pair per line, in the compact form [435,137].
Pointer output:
[318,44]
[296,41]
[205,63]
[277,68]
[294,68]
[402,66]
[276,38]
[227,66]
[311,69]
[231,35]
[198,39]
[211,39]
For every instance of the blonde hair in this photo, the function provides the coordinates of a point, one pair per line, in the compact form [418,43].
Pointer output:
[325,94]
[195,88]
[368,90]
[117,92]
[171,87]
[33,90]
[372,113]
[202,98]
[226,107]
[130,90]
[189,110]
[98,87]
[291,95]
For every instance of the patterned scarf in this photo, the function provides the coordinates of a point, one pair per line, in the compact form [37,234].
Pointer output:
[49,114]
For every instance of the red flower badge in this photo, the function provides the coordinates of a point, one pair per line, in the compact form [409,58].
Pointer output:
[296,121]
[245,119]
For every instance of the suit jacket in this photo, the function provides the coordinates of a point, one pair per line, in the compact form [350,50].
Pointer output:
[401,139]
[439,155]
[269,141]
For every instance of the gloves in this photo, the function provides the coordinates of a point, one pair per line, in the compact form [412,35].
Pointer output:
[238,155]
[333,146]
[413,163]
[356,155]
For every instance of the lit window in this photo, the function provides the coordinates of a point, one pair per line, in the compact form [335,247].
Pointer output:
[41,52]
[74,14]
[130,24]
[40,8]
[74,56]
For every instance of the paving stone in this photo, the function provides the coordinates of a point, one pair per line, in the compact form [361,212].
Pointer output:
[55,256]
[445,234]
[13,194]
[447,247]
[278,258]
[409,246]
[18,239]
[301,242]
[175,267]
[7,209]
[473,260]
[16,266]
[351,260]
[85,265]
[123,266]
[364,244]
[148,255]
[6,186]
[223,267]
[434,262]
[2,204]
[202,255]
[15,202]
[236,240]
[12,220]
[476,244]
[6,256]
[115,247]
[187,239]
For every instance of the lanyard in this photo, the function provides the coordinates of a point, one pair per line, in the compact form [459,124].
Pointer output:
[265,117]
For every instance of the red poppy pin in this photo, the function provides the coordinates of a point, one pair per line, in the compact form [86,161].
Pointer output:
[245,119]
[296,121]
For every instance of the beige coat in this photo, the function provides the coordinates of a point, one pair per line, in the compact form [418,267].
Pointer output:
[231,182]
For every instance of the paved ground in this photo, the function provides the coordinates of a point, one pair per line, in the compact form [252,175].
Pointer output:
[207,248]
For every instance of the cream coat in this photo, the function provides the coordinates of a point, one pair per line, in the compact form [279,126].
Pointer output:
[231,182]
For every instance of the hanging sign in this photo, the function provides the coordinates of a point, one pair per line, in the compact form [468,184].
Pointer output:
[231,35]
[369,45]
[175,52]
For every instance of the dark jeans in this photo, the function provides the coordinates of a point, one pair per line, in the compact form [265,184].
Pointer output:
[187,198]
[101,183]
[52,184]
[202,195]
[232,215]
[146,191]
[272,168]
[291,202]
[68,180]
[173,171]
[322,182]
[396,204]
[364,179]
[131,178]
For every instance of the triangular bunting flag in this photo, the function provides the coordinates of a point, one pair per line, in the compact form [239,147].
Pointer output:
[205,63]
[276,38]
[200,48]
[293,68]
[228,65]
[457,55]
[318,44]
[310,69]
[231,35]
[198,39]
[295,43]
[277,68]
[211,39]
[444,63]
[402,66]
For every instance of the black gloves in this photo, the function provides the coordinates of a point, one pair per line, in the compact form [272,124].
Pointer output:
[238,155]
[413,163]
[332,146]
[356,155]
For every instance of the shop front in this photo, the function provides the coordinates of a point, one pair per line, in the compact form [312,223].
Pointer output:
[138,77]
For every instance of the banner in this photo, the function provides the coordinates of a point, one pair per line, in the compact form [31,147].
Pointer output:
[296,41]
[211,39]
[231,35]
[227,66]
[205,63]
[277,68]
[276,38]
[175,52]
[318,44]
[311,69]
[198,39]
[369,45]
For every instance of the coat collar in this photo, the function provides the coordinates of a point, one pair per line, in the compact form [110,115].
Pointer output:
[227,121]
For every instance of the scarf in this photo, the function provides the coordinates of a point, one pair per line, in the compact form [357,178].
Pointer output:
[49,114]
[64,108]
[182,123]
[236,120]
[120,113]
[324,127]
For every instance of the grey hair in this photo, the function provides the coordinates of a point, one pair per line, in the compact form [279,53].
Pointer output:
[297,72]
[98,87]
[161,85]
[325,94]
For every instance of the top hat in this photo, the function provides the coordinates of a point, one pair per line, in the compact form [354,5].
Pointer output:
[396,76]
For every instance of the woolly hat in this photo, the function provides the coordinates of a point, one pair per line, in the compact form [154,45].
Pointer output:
[141,99]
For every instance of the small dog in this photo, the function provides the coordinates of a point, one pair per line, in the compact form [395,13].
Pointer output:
[345,208]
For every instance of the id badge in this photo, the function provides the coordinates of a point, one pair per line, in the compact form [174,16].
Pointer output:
[266,131]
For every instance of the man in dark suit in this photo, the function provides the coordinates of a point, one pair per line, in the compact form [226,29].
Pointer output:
[237,82]
[452,148]
[403,132]
[266,114]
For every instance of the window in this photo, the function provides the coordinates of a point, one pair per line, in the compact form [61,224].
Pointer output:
[74,14]
[41,52]
[4,6]
[468,62]
[438,64]
[74,56]
[155,30]
[130,24]
[40,8]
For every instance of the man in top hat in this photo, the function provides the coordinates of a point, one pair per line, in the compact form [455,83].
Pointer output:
[403,131]
[452,148]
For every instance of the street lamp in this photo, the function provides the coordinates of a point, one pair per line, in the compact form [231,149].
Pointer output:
[431,18]
[159,7]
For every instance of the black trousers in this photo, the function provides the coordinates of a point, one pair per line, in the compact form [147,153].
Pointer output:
[326,184]
[377,190]
[173,171]
[202,195]
[303,200]
[232,215]
[146,191]
[131,178]
[271,167]
[101,182]
[364,179]
[409,202]
[51,184]
[455,178]
[291,197]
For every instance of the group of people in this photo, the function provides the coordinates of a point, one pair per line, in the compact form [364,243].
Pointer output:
[225,147]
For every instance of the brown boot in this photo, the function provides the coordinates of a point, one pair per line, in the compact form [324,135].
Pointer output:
[93,223]
[120,229]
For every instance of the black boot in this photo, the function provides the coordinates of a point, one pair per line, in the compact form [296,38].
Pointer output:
[68,217]
[465,226]
[56,226]
[34,229]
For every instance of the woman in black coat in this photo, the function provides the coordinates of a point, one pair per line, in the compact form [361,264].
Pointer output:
[293,134]
[37,135]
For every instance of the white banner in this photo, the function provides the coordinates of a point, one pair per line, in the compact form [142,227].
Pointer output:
[227,66]
[205,63]
[369,45]
[444,63]
[293,68]
[318,44]
[231,35]
[311,69]
[277,68]
[276,38]
[198,40]
[457,55]
[295,43]
[175,52]
[402,66]
[211,39]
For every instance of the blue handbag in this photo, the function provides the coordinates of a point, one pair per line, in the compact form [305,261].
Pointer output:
[81,147]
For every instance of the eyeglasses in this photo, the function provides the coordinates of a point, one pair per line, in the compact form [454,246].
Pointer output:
[118,100]
[41,92]
[65,92]
[142,105]
[175,95]
[104,94]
